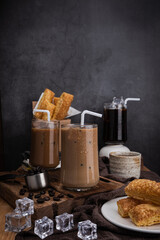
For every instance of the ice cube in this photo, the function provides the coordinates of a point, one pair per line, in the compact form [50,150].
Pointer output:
[43,227]
[15,222]
[25,205]
[64,222]
[87,230]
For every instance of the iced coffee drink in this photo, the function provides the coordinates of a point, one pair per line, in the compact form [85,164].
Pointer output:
[44,144]
[79,170]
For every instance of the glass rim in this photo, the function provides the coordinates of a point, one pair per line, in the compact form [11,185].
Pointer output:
[74,125]
[42,124]
[107,104]
[44,121]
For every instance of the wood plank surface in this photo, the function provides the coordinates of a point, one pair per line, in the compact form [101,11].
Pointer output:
[9,191]
[5,208]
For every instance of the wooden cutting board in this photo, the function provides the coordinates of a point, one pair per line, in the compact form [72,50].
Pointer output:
[9,191]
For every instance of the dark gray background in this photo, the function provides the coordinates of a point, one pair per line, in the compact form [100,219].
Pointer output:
[94,49]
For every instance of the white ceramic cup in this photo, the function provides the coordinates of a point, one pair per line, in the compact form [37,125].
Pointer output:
[125,164]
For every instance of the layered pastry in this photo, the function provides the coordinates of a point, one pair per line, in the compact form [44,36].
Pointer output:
[144,189]
[145,214]
[126,204]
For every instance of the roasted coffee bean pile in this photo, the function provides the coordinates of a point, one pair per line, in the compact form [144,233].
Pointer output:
[41,197]
[35,170]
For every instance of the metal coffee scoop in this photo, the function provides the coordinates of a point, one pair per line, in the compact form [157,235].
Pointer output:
[34,181]
[37,181]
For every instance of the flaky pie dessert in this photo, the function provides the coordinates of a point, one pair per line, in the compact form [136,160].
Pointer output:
[142,204]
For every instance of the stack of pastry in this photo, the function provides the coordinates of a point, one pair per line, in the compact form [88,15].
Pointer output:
[57,106]
[143,202]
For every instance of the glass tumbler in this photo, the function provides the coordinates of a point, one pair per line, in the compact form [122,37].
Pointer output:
[44,144]
[79,152]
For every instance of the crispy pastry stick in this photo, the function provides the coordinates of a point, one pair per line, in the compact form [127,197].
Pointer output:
[63,105]
[144,189]
[48,94]
[56,99]
[48,106]
[145,214]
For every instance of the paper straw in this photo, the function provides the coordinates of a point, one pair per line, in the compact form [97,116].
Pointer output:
[41,110]
[131,99]
[89,113]
[38,103]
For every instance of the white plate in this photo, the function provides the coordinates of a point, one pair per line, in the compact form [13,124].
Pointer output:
[110,212]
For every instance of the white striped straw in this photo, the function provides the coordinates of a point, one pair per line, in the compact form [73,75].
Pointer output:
[41,110]
[89,113]
[131,99]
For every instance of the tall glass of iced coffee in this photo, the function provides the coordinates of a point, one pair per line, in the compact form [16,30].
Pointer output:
[79,152]
[44,144]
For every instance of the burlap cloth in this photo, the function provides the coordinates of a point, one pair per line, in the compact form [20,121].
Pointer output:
[92,210]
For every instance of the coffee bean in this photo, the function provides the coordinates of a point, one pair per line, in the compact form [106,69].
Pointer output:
[60,195]
[31,194]
[30,172]
[70,195]
[46,198]
[56,198]
[40,200]
[30,197]
[37,196]
[39,169]
[51,191]
[22,191]
[51,188]
[51,194]
[43,192]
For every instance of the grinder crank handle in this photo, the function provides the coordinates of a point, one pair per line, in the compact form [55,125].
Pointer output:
[9,176]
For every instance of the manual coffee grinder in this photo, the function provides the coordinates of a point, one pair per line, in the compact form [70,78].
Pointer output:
[115,126]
